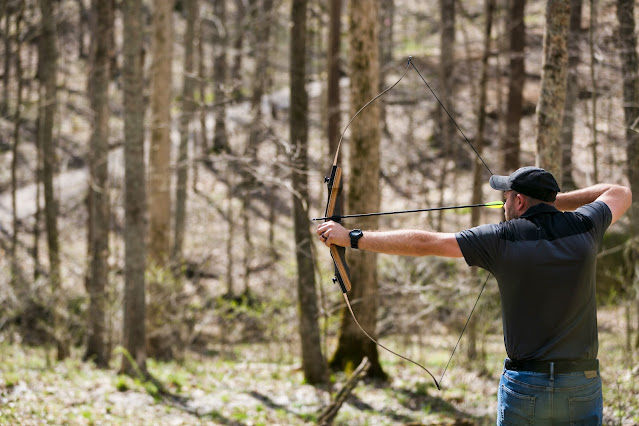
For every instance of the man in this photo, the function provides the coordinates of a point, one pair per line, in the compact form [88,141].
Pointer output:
[544,262]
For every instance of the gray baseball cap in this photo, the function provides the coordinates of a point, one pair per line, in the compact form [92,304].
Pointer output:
[532,181]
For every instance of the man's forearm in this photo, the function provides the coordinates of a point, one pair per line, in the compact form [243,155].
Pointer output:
[410,243]
[568,201]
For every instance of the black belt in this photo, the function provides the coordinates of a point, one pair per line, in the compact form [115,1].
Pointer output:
[556,367]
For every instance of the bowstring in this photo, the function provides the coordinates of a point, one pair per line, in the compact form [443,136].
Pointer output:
[491,173]
[410,63]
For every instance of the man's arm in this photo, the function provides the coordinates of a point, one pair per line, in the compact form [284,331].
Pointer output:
[402,242]
[618,198]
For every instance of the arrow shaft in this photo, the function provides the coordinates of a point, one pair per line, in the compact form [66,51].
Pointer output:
[402,211]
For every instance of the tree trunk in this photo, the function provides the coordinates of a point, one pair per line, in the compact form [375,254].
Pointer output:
[516,82]
[135,207]
[99,78]
[48,71]
[162,338]
[18,286]
[594,91]
[220,138]
[188,110]
[364,190]
[6,38]
[478,166]
[553,87]
[160,150]
[333,95]
[202,79]
[572,92]
[238,43]
[446,71]
[313,362]
[386,19]
[629,64]
[262,18]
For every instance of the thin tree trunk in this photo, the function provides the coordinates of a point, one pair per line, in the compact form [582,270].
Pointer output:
[364,190]
[162,339]
[313,362]
[48,74]
[135,207]
[333,95]
[572,92]
[202,79]
[220,138]
[478,166]
[16,284]
[553,86]
[188,110]
[262,16]
[629,65]
[386,19]
[238,43]
[101,25]
[446,71]
[593,81]
[160,150]
[6,37]
[83,20]
[516,82]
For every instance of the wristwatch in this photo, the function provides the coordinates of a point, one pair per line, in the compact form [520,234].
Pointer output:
[355,235]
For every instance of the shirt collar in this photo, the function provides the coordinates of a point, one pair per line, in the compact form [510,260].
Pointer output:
[540,208]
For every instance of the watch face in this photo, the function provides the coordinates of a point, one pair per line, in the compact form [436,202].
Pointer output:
[356,233]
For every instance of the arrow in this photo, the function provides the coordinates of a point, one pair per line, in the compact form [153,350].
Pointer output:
[490,205]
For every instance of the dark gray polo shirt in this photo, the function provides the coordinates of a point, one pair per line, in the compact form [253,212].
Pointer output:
[544,263]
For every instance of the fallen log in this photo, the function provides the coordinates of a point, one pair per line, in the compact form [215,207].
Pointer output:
[330,412]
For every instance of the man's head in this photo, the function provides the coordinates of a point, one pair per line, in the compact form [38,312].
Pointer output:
[525,187]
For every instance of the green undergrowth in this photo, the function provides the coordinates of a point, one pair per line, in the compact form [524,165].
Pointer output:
[261,383]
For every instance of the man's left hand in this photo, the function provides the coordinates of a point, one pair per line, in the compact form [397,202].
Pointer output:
[333,233]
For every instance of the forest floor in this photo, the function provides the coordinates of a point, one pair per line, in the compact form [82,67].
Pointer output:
[253,384]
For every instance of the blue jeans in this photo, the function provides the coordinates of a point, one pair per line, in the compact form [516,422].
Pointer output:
[542,399]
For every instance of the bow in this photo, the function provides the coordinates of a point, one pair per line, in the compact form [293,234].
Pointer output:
[333,212]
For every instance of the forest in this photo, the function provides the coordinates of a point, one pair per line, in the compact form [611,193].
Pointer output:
[164,167]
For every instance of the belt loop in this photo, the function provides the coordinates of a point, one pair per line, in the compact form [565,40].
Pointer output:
[552,371]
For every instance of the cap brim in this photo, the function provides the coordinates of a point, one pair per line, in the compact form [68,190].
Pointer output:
[500,183]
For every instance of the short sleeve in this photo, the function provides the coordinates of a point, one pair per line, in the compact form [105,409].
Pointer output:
[599,214]
[479,245]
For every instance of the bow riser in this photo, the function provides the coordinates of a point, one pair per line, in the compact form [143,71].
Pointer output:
[342,272]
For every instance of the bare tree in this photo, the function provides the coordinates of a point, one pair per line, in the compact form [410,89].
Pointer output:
[220,41]
[7,11]
[478,166]
[161,333]
[553,86]
[313,362]
[261,15]
[48,72]
[135,208]
[446,75]
[160,150]
[629,64]
[594,91]
[99,77]
[572,92]
[187,113]
[333,92]
[16,284]
[516,81]
[364,190]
